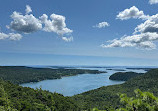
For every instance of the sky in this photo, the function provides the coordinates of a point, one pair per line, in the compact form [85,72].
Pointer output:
[79,32]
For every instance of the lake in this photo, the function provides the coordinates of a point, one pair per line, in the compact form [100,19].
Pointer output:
[69,86]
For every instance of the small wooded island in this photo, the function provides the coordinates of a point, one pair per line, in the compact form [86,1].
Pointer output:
[23,74]
[124,76]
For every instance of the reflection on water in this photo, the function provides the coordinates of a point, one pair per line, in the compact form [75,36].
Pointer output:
[69,86]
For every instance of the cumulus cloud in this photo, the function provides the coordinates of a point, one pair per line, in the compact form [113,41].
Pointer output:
[67,39]
[25,23]
[143,41]
[28,23]
[56,24]
[28,9]
[102,25]
[10,36]
[3,36]
[13,36]
[150,25]
[144,36]
[132,12]
[153,1]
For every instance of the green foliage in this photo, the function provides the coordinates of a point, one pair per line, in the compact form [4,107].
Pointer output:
[143,101]
[5,104]
[17,98]
[22,74]
[107,96]
[14,97]
[124,76]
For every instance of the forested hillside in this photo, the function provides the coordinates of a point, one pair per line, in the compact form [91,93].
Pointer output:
[124,76]
[22,74]
[108,96]
[14,97]
[142,101]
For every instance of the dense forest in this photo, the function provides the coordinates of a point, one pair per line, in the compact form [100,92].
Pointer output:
[107,96]
[22,74]
[124,76]
[142,101]
[17,98]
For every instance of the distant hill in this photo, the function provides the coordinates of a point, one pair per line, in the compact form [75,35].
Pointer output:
[107,96]
[124,76]
[22,74]
[146,69]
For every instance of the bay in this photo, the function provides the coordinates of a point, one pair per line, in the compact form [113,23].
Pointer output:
[72,85]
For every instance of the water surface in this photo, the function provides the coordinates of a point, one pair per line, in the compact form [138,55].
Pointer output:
[69,86]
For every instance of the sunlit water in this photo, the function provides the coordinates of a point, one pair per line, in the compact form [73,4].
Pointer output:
[69,86]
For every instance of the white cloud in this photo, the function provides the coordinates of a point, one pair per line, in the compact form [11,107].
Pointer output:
[28,9]
[25,23]
[10,36]
[132,12]
[3,36]
[28,23]
[150,25]
[143,41]
[67,39]
[153,1]
[102,25]
[13,36]
[145,34]
[55,24]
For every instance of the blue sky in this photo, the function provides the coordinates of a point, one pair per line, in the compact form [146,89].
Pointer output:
[47,46]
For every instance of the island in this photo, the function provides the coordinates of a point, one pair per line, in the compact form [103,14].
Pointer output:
[124,76]
[116,69]
[23,74]
[145,69]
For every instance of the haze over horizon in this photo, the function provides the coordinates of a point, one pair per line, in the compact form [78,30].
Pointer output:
[57,32]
